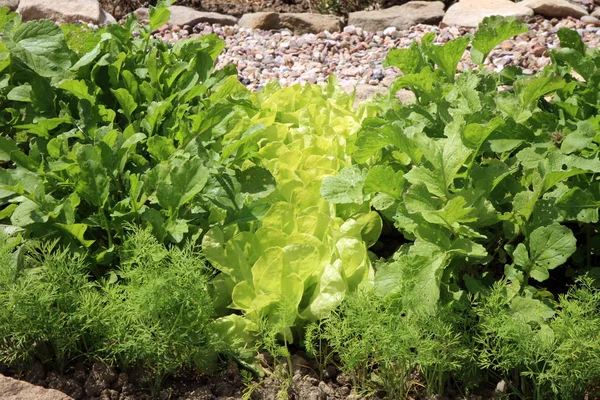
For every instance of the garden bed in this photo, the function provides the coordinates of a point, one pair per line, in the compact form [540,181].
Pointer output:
[166,232]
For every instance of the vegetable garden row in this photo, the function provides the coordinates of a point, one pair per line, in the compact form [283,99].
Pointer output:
[156,213]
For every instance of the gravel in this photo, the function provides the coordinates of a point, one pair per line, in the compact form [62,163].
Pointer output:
[355,56]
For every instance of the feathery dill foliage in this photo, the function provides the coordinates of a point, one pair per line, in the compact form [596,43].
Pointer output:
[538,354]
[47,303]
[161,309]
[381,344]
[154,311]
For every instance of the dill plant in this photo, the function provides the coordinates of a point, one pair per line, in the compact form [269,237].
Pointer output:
[48,306]
[158,309]
[542,354]
[382,345]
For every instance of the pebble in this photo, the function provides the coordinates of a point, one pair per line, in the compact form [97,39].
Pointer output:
[356,56]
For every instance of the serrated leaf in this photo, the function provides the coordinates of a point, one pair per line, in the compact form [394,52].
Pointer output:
[41,46]
[448,56]
[493,31]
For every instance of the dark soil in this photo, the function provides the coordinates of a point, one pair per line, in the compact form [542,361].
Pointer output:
[95,381]
[87,381]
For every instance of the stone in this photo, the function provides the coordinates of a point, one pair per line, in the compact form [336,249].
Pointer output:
[301,23]
[181,15]
[12,389]
[554,8]
[469,13]
[64,11]
[11,4]
[366,92]
[401,17]
[596,13]
[260,20]
[591,20]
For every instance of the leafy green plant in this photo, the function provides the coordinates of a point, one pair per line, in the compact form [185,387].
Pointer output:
[299,260]
[473,176]
[115,128]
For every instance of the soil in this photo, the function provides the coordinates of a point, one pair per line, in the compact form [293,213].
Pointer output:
[95,381]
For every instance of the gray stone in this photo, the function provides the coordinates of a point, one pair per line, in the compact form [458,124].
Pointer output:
[64,11]
[590,19]
[301,23]
[11,4]
[12,389]
[555,8]
[470,13]
[369,92]
[260,20]
[401,17]
[181,15]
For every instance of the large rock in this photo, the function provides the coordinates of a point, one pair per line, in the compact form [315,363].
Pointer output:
[260,20]
[469,13]
[181,15]
[12,389]
[401,17]
[555,8]
[11,4]
[301,23]
[64,11]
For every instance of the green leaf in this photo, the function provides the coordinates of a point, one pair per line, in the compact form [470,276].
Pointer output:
[93,183]
[346,187]
[408,60]
[493,31]
[78,88]
[42,47]
[77,231]
[126,101]
[160,147]
[160,14]
[579,139]
[570,39]
[530,90]
[187,181]
[7,146]
[550,247]
[328,294]
[530,310]
[579,205]
[448,56]
[382,179]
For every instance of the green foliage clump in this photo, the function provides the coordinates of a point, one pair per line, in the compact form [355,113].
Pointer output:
[158,309]
[539,352]
[106,128]
[382,345]
[48,306]
[153,312]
